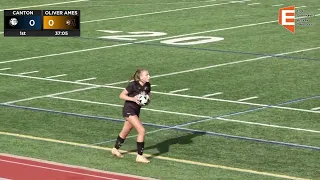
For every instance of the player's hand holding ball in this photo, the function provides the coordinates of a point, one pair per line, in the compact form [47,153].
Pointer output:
[143,98]
[136,99]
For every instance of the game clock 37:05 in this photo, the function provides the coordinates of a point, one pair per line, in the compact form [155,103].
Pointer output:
[61,33]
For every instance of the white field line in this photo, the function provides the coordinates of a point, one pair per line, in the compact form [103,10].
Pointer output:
[55,94]
[158,12]
[41,5]
[300,7]
[214,94]
[268,125]
[1,32]
[88,79]
[109,31]
[59,170]
[64,53]
[224,119]
[3,69]
[249,98]
[276,5]
[242,1]
[236,102]
[60,75]
[117,105]
[155,92]
[179,90]
[28,72]
[137,4]
[223,64]
[154,85]
[253,4]
[125,44]
[315,109]
[187,114]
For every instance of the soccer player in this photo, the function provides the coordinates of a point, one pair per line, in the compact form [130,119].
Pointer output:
[131,111]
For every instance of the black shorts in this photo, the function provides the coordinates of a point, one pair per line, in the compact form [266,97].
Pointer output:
[130,111]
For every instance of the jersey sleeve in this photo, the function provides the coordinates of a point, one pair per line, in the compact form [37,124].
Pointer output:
[129,87]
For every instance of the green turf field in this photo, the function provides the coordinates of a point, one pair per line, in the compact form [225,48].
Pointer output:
[235,95]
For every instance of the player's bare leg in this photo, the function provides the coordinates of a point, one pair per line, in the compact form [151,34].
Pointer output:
[134,120]
[120,140]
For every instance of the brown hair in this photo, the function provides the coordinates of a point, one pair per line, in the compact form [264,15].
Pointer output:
[136,75]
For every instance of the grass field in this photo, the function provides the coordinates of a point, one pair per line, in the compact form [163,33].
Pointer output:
[244,104]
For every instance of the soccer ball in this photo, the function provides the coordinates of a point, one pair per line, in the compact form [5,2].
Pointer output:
[13,21]
[143,98]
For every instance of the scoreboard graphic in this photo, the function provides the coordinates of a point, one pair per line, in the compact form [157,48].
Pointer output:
[42,23]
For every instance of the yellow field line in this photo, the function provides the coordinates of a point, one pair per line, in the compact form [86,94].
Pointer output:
[157,157]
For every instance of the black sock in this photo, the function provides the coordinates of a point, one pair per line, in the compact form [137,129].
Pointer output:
[140,147]
[119,142]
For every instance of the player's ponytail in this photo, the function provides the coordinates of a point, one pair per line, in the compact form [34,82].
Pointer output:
[136,75]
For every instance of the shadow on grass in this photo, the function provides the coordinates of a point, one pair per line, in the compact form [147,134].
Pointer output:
[164,146]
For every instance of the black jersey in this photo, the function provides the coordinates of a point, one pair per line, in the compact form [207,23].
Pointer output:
[134,88]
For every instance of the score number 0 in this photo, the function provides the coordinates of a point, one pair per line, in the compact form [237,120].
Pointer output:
[51,22]
[33,22]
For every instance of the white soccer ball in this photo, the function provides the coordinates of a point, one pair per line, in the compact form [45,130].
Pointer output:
[143,98]
[13,21]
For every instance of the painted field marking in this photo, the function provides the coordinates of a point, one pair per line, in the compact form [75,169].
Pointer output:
[156,157]
[235,102]
[179,90]
[155,92]
[41,5]
[268,125]
[219,65]
[214,94]
[138,4]
[125,44]
[178,126]
[153,85]
[118,105]
[1,32]
[222,119]
[24,73]
[184,114]
[315,109]
[300,7]
[55,94]
[242,1]
[60,75]
[158,12]
[88,79]
[3,69]
[276,5]
[253,4]
[249,98]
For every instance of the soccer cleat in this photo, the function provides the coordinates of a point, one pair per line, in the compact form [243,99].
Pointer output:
[116,152]
[142,159]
